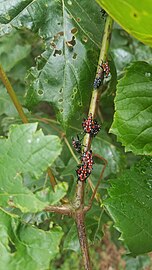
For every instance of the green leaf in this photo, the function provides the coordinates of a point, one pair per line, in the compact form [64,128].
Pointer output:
[53,196]
[133,109]
[6,105]
[104,147]
[26,247]
[65,72]
[133,16]
[130,206]
[25,151]
[12,50]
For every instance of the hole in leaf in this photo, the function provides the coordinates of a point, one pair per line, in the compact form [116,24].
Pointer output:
[72,96]
[74,56]
[71,43]
[80,104]
[40,92]
[85,39]
[74,30]
[61,111]
[57,52]
[61,90]
[59,23]
[60,100]
[53,44]
[61,33]
[75,90]
[78,19]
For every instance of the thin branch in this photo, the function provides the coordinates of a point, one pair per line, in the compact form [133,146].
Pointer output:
[63,209]
[12,95]
[70,149]
[52,178]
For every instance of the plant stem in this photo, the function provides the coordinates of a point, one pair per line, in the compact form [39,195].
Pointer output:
[95,98]
[13,96]
[79,200]
[79,217]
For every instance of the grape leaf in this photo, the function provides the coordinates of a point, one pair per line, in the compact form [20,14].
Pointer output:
[25,246]
[130,206]
[25,151]
[64,73]
[133,16]
[133,109]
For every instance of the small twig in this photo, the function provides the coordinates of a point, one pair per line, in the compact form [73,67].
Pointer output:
[52,178]
[71,150]
[12,95]
[63,209]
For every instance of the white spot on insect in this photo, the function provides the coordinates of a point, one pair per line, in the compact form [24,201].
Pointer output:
[29,140]
[147,74]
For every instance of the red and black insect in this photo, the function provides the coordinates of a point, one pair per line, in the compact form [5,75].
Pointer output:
[106,68]
[76,142]
[90,125]
[85,169]
[82,173]
[87,159]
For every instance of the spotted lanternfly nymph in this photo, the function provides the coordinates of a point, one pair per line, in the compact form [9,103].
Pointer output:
[91,126]
[106,68]
[82,173]
[77,144]
[97,82]
[85,169]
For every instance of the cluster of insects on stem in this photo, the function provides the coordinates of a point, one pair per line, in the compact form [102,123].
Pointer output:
[92,127]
